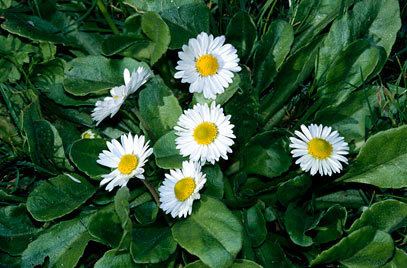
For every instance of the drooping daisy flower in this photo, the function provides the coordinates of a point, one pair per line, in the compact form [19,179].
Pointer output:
[136,79]
[319,149]
[207,64]
[204,133]
[88,134]
[180,188]
[127,158]
[111,105]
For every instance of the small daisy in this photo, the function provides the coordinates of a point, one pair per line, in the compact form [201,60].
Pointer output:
[204,133]
[126,158]
[180,188]
[319,149]
[207,64]
[110,105]
[88,134]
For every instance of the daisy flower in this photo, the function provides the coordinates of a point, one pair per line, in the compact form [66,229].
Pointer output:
[204,133]
[127,158]
[88,134]
[180,188]
[111,105]
[207,64]
[319,149]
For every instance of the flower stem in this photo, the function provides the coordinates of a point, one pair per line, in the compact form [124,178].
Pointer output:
[108,19]
[153,192]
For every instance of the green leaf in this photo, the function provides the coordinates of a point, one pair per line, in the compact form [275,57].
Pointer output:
[167,156]
[387,215]
[64,243]
[311,17]
[297,223]
[4,4]
[213,226]
[115,258]
[266,154]
[14,54]
[398,261]
[350,117]
[44,143]
[59,28]
[331,225]
[271,52]
[121,205]
[374,20]
[214,181]
[241,32]
[347,198]
[146,213]
[353,66]
[294,71]
[235,264]
[245,120]
[16,229]
[96,74]
[159,109]
[325,226]
[293,189]
[97,227]
[152,244]
[58,196]
[157,30]
[366,247]
[221,98]
[185,18]
[84,154]
[116,43]
[255,224]
[382,160]
[270,252]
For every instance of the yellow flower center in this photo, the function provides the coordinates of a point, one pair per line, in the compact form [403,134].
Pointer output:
[127,164]
[319,148]
[207,65]
[205,133]
[87,135]
[184,188]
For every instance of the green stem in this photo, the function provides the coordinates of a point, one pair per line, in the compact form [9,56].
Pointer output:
[154,193]
[108,19]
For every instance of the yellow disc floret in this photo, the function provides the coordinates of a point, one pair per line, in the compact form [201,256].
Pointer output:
[127,164]
[205,133]
[184,188]
[207,65]
[319,148]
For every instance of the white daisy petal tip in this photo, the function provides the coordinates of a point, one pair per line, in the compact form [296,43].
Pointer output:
[181,188]
[136,79]
[319,150]
[204,133]
[126,159]
[207,64]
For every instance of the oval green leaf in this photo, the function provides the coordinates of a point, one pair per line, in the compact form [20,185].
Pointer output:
[58,196]
[213,226]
